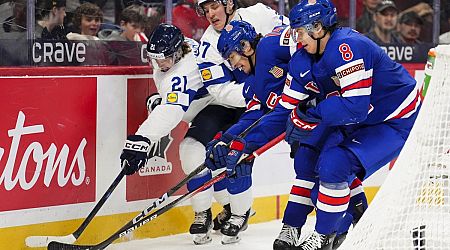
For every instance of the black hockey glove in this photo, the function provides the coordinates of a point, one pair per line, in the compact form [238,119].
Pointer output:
[135,153]
[152,101]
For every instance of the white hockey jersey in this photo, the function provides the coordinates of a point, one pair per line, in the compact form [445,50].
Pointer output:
[177,87]
[215,71]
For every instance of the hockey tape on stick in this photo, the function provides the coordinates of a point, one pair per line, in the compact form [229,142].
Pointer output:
[43,241]
[131,226]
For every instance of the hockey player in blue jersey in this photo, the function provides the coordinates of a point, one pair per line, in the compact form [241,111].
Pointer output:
[223,94]
[266,62]
[372,102]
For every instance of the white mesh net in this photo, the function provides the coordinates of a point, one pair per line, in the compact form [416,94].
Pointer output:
[412,208]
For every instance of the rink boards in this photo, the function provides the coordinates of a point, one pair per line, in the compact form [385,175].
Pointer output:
[61,135]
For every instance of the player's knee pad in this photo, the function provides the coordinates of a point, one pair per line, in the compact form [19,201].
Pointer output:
[239,185]
[192,154]
[335,165]
[305,162]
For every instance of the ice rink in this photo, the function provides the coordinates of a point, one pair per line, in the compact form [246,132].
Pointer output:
[256,237]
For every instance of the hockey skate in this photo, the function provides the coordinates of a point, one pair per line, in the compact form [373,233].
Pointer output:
[288,238]
[232,228]
[318,241]
[201,227]
[222,217]
[339,240]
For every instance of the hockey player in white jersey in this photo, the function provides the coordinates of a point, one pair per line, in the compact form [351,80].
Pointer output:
[226,86]
[179,97]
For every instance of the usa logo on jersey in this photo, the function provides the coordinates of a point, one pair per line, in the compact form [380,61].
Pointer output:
[277,72]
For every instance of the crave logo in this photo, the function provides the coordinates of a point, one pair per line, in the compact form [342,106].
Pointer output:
[47,142]
[158,163]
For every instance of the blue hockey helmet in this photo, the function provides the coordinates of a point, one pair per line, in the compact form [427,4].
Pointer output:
[165,41]
[234,35]
[308,12]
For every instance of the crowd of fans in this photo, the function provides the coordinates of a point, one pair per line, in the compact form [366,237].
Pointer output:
[383,21]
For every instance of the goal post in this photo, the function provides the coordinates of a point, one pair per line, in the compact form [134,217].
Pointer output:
[412,208]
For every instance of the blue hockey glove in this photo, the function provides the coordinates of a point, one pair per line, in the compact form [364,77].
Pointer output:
[236,165]
[135,153]
[299,126]
[217,150]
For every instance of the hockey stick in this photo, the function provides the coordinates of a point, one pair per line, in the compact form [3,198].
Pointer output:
[42,241]
[133,225]
[195,172]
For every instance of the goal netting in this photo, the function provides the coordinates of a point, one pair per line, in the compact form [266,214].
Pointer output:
[412,207]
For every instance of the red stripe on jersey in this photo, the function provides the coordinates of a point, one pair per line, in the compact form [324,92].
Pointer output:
[252,103]
[334,201]
[408,108]
[289,99]
[301,191]
[359,85]
[356,182]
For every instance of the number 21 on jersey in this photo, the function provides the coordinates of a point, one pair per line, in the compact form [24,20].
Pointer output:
[179,83]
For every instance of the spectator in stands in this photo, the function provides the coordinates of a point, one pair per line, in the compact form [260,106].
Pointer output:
[86,20]
[365,22]
[384,30]
[187,20]
[425,12]
[52,22]
[132,23]
[409,28]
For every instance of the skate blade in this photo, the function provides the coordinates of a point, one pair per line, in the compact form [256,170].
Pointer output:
[201,239]
[230,239]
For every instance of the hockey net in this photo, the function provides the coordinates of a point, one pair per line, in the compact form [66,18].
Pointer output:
[412,207]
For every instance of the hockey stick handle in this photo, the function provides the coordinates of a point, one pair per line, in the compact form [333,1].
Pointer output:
[100,203]
[129,227]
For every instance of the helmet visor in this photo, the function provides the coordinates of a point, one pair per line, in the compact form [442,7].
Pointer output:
[234,59]
[160,62]
[301,33]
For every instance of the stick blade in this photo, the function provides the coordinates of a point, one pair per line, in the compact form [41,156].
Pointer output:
[54,245]
[43,241]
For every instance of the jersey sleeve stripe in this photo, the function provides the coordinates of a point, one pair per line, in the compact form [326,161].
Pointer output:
[294,94]
[366,83]
[287,105]
[405,110]
[357,92]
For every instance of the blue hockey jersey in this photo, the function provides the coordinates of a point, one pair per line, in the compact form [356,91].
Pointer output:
[361,84]
[264,88]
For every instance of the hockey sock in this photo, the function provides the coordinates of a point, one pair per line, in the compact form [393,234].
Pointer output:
[299,204]
[332,203]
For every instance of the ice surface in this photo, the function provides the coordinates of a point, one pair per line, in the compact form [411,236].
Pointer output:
[257,237]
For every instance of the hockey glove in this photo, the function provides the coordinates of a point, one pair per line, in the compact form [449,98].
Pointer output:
[237,166]
[299,126]
[152,101]
[217,150]
[135,153]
